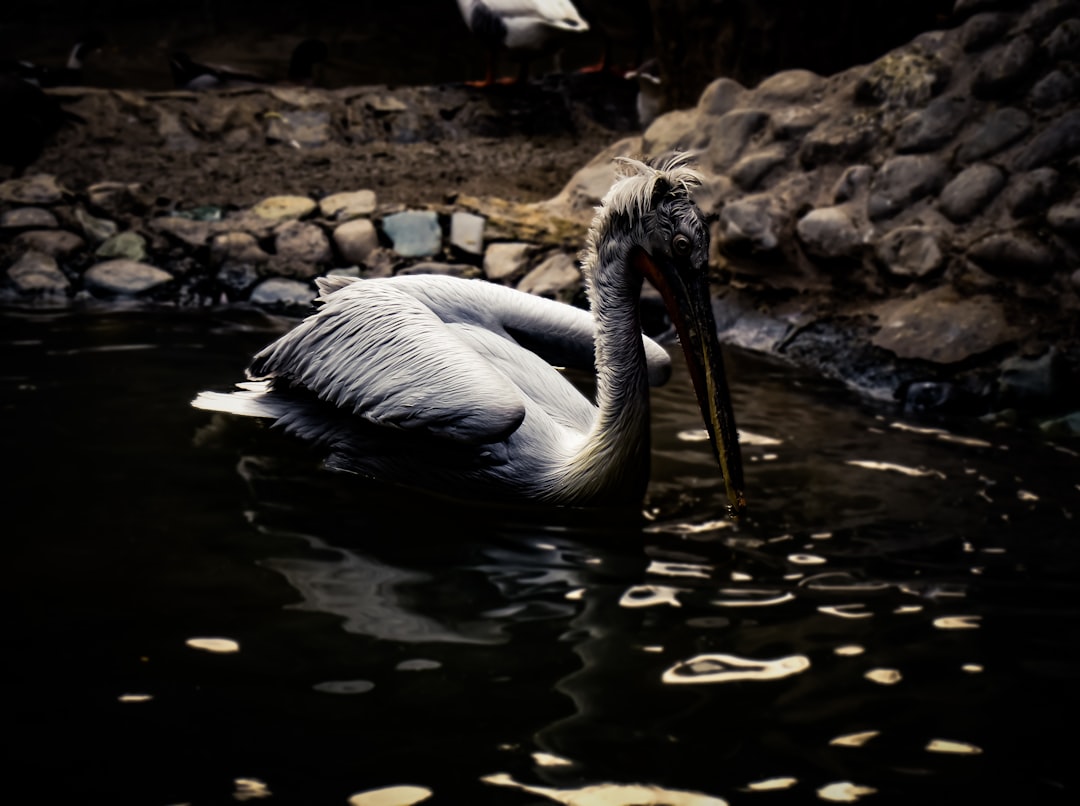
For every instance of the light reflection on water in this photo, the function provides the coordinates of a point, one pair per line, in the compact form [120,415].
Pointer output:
[204,614]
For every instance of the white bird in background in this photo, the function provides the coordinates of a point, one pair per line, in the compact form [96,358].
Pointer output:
[524,28]
[451,384]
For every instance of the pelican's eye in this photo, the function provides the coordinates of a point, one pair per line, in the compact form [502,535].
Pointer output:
[681,245]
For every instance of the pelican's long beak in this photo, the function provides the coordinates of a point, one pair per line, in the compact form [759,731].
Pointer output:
[689,304]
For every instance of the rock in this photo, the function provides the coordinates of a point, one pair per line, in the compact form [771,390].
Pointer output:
[1056,87]
[28,218]
[1065,217]
[94,228]
[982,30]
[902,79]
[414,233]
[1063,43]
[941,397]
[751,220]
[580,196]
[237,277]
[752,168]
[720,97]
[931,128]
[787,86]
[675,131]
[1004,67]
[1030,381]
[845,142]
[1060,139]
[792,122]
[1062,427]
[724,138]
[124,277]
[58,243]
[128,245]
[36,189]
[300,128]
[37,273]
[942,327]
[185,230]
[971,190]
[307,243]
[1000,128]
[557,277]
[829,232]
[236,246]
[284,208]
[903,180]
[507,262]
[467,232]
[347,206]
[1031,192]
[852,182]
[117,198]
[356,239]
[1015,252]
[278,292]
[464,270]
[913,251]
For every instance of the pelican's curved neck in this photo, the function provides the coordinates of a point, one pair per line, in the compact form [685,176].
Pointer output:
[614,461]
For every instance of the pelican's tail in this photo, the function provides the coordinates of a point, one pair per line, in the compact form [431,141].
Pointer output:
[250,400]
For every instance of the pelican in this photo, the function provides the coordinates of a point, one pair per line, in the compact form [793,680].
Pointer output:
[526,27]
[451,384]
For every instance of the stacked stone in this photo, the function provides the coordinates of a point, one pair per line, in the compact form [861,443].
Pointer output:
[107,243]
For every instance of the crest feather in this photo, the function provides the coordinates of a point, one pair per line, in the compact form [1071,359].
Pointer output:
[638,182]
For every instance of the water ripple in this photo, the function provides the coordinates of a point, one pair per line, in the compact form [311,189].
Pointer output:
[719,668]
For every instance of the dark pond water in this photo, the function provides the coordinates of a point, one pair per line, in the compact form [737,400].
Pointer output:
[896,622]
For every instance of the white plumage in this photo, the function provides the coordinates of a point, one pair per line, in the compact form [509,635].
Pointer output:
[452,384]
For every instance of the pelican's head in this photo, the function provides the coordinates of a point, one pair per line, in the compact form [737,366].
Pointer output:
[669,246]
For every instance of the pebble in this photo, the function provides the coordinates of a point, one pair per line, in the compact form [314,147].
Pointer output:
[556,277]
[903,180]
[346,206]
[307,243]
[124,277]
[128,245]
[414,233]
[356,240]
[37,273]
[236,246]
[971,190]
[1000,128]
[914,251]
[750,220]
[58,243]
[28,218]
[282,292]
[507,262]
[829,232]
[36,189]
[467,232]
[284,208]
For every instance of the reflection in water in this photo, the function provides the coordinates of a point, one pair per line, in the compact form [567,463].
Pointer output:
[611,794]
[391,796]
[880,634]
[219,645]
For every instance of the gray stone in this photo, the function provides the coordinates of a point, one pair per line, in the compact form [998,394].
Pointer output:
[300,241]
[1064,41]
[347,206]
[931,128]
[903,180]
[942,327]
[720,97]
[124,277]
[28,218]
[902,79]
[792,122]
[1015,252]
[1004,67]
[1060,139]
[414,233]
[94,228]
[675,131]
[237,277]
[185,230]
[749,171]
[1001,127]
[971,190]
[280,292]
[557,277]
[750,220]
[1030,192]
[913,251]
[465,270]
[1065,217]
[356,239]
[35,189]
[829,232]
[284,208]
[236,246]
[467,232]
[37,273]
[58,243]
[506,262]
[127,244]
[787,86]
[983,30]
[852,182]
[1056,87]
[843,142]
[724,138]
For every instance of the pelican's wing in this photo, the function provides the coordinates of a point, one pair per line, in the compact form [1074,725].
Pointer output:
[560,334]
[385,356]
[561,13]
